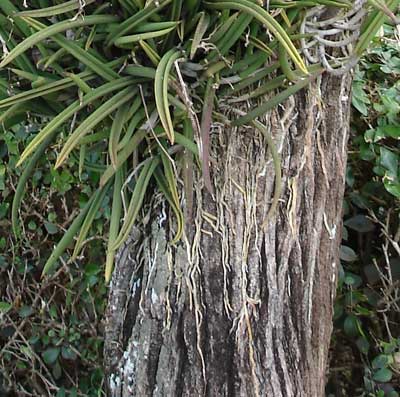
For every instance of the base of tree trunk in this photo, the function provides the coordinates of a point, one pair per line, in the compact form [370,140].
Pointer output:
[234,310]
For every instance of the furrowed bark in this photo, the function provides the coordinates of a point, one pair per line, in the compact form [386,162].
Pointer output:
[234,310]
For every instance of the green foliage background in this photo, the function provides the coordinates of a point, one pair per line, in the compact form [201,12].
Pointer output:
[77,90]
[366,344]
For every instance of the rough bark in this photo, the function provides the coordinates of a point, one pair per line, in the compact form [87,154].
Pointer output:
[234,310]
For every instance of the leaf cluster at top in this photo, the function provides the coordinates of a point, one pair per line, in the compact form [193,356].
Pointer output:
[140,83]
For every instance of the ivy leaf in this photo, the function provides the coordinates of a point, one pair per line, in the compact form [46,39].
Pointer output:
[25,311]
[50,355]
[352,280]
[381,361]
[61,392]
[374,135]
[352,325]
[347,254]
[392,131]
[383,375]
[391,187]
[366,152]
[5,307]
[68,353]
[57,371]
[363,345]
[360,98]
[360,223]
[51,228]
[390,161]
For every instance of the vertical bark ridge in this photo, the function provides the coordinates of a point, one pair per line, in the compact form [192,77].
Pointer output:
[234,310]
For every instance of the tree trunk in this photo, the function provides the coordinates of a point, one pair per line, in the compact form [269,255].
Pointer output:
[234,310]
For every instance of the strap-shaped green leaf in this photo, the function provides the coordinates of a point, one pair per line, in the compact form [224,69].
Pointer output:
[187,171]
[150,52]
[250,80]
[82,158]
[221,31]
[53,10]
[206,119]
[89,218]
[85,88]
[123,156]
[49,88]
[233,34]
[187,143]
[116,211]
[23,179]
[153,26]
[10,10]
[371,27]
[62,117]
[136,201]
[43,90]
[128,41]
[21,62]
[265,18]
[95,64]
[277,168]
[95,118]
[132,22]
[11,112]
[275,100]
[170,177]
[51,31]
[161,91]
[116,129]
[165,183]
[67,239]
[140,71]
[130,129]
[34,77]
[201,29]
